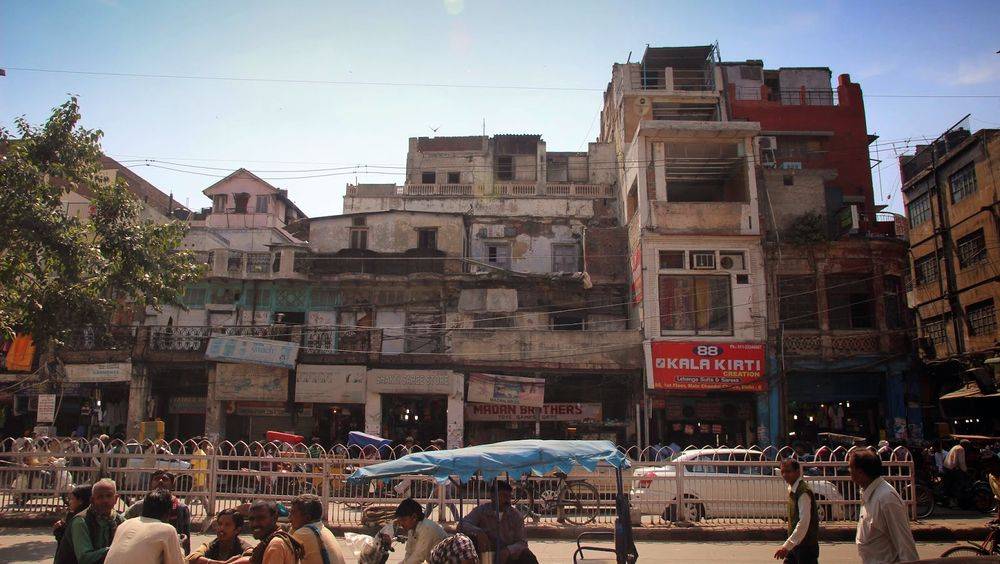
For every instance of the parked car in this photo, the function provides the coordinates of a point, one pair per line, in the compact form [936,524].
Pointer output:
[751,489]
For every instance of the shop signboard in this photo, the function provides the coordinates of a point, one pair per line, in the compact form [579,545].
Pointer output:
[234,382]
[549,412]
[265,409]
[701,366]
[386,381]
[324,383]
[46,408]
[506,390]
[187,405]
[99,373]
[251,350]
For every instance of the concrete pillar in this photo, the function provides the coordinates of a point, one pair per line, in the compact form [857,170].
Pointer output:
[214,409]
[660,170]
[373,413]
[138,396]
[456,412]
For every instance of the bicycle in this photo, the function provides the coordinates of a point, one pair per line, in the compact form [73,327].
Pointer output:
[576,502]
[988,547]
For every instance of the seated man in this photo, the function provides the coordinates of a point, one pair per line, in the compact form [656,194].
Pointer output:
[92,529]
[227,542]
[318,543]
[498,527]
[422,534]
[147,538]
[456,549]
[275,546]
[180,515]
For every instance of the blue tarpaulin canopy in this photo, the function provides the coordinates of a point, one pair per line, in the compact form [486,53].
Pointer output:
[515,458]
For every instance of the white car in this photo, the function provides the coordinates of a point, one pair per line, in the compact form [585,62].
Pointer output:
[751,489]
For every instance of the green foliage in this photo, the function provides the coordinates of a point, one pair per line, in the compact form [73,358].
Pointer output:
[807,229]
[58,273]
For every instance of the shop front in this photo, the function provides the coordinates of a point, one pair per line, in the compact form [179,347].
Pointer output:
[255,400]
[704,393]
[423,404]
[842,403]
[490,423]
[337,396]
[94,399]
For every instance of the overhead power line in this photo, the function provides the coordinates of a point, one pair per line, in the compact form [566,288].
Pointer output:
[308,81]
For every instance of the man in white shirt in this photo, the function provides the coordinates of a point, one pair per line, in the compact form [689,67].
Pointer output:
[884,533]
[802,545]
[147,538]
[422,534]
[955,460]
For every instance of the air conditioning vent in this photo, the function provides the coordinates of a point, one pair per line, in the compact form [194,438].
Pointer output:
[726,263]
[703,261]
[732,260]
[767,142]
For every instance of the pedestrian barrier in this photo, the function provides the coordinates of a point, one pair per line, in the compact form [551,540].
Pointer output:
[710,486]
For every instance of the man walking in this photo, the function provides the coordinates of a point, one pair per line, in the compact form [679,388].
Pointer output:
[93,529]
[802,545]
[148,538]
[884,533]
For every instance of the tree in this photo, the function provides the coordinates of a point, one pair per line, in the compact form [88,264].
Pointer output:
[58,273]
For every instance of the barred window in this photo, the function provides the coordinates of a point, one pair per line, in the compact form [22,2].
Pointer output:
[797,302]
[934,329]
[851,301]
[982,318]
[194,297]
[963,183]
[972,249]
[925,269]
[258,263]
[919,210]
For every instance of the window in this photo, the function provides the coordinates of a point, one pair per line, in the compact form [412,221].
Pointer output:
[748,72]
[428,177]
[235,261]
[963,183]
[671,259]
[851,301]
[359,238]
[492,321]
[797,303]
[934,329]
[258,263]
[925,269]
[567,322]
[982,318]
[732,260]
[498,254]
[194,297]
[892,287]
[919,209]
[788,180]
[564,258]
[219,203]
[703,260]
[428,239]
[505,167]
[454,178]
[972,249]
[261,206]
[242,200]
[695,304]
[358,221]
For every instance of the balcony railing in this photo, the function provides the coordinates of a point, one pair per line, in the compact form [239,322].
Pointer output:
[498,189]
[787,96]
[671,79]
[115,338]
[320,339]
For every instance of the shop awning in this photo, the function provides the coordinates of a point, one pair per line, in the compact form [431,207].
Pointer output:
[969,391]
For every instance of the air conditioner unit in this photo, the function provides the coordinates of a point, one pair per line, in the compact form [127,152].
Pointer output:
[791,165]
[731,262]
[703,261]
[767,142]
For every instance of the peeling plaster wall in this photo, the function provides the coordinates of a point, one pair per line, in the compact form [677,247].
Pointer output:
[530,242]
[388,232]
[484,205]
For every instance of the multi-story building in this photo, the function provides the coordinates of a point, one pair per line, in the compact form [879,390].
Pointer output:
[950,187]
[689,200]
[838,354]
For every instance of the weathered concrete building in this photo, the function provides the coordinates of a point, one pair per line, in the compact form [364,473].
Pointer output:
[838,334]
[950,189]
[689,200]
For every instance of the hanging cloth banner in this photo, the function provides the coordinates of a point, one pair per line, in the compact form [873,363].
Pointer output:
[506,390]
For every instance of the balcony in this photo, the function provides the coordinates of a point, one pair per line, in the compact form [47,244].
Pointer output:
[599,350]
[188,343]
[711,218]
[496,190]
[786,96]
[842,344]
[358,261]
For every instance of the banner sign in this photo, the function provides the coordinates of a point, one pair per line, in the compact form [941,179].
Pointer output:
[322,383]
[734,367]
[251,350]
[387,381]
[46,408]
[264,409]
[549,412]
[507,390]
[99,373]
[187,405]
[249,382]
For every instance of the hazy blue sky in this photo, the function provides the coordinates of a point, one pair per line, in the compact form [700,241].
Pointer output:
[889,47]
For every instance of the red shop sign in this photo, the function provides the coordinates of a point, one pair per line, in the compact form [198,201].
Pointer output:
[735,367]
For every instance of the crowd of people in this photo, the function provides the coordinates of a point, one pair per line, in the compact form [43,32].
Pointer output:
[157,530]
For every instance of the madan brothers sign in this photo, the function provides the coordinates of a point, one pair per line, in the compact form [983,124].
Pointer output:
[549,412]
[735,367]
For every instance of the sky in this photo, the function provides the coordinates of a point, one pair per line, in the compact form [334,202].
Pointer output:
[283,130]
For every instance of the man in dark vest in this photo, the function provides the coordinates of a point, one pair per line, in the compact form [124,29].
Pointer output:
[802,546]
[93,529]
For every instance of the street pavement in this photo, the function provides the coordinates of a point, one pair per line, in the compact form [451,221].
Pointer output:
[35,544]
